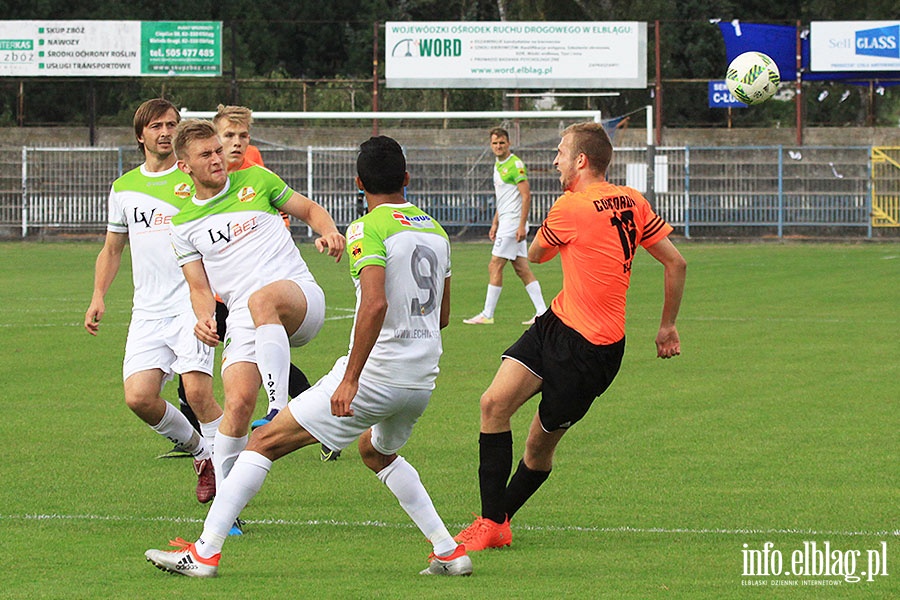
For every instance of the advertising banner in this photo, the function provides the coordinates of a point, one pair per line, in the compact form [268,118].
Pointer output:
[110,48]
[514,54]
[855,45]
[720,96]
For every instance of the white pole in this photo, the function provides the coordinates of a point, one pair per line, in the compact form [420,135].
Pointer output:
[309,182]
[490,114]
[24,192]
[649,124]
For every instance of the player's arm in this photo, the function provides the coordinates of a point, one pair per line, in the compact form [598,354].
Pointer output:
[314,215]
[675,269]
[202,301]
[445,304]
[108,262]
[525,190]
[539,253]
[495,223]
[369,319]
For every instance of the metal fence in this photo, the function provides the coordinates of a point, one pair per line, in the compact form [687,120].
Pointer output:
[702,192]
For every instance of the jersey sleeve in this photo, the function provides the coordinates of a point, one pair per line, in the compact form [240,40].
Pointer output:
[365,247]
[116,220]
[655,227]
[558,228]
[185,251]
[277,190]
[519,172]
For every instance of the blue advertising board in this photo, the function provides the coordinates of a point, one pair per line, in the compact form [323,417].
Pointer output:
[720,97]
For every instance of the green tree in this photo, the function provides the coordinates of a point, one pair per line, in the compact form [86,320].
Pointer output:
[268,46]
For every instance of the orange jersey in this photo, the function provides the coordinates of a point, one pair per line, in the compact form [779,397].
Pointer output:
[252,157]
[597,232]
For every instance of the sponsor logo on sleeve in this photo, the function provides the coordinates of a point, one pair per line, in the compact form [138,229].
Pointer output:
[354,232]
[246,194]
[182,190]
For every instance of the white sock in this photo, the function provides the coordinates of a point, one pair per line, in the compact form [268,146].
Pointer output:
[244,481]
[227,450]
[491,299]
[534,292]
[273,357]
[208,431]
[175,427]
[403,480]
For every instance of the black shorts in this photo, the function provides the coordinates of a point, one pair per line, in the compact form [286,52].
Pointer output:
[574,370]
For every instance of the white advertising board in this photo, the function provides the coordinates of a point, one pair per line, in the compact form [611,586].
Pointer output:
[110,48]
[516,54]
[854,46]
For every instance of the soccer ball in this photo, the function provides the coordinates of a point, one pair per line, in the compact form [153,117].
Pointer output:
[752,77]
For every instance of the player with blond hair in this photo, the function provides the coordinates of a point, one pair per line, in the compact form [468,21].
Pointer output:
[233,126]
[573,352]
[400,264]
[230,238]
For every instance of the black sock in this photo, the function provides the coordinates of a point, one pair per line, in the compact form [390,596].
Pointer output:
[495,454]
[522,486]
[185,408]
[297,382]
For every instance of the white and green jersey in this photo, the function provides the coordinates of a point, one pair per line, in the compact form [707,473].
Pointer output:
[141,204]
[414,250]
[240,236]
[507,175]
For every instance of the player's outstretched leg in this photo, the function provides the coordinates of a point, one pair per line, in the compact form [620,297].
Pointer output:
[457,563]
[297,384]
[402,479]
[201,558]
[184,560]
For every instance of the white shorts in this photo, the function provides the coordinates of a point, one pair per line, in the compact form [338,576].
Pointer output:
[390,411]
[506,246]
[167,344]
[240,333]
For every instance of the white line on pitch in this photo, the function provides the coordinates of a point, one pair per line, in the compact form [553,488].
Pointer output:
[576,528]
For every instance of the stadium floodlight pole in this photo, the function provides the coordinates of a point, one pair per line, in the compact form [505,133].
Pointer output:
[487,114]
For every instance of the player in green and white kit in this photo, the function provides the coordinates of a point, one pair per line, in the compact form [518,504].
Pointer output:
[160,337]
[230,238]
[400,264]
[509,230]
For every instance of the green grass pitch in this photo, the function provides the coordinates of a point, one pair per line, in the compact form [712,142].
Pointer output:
[779,423]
